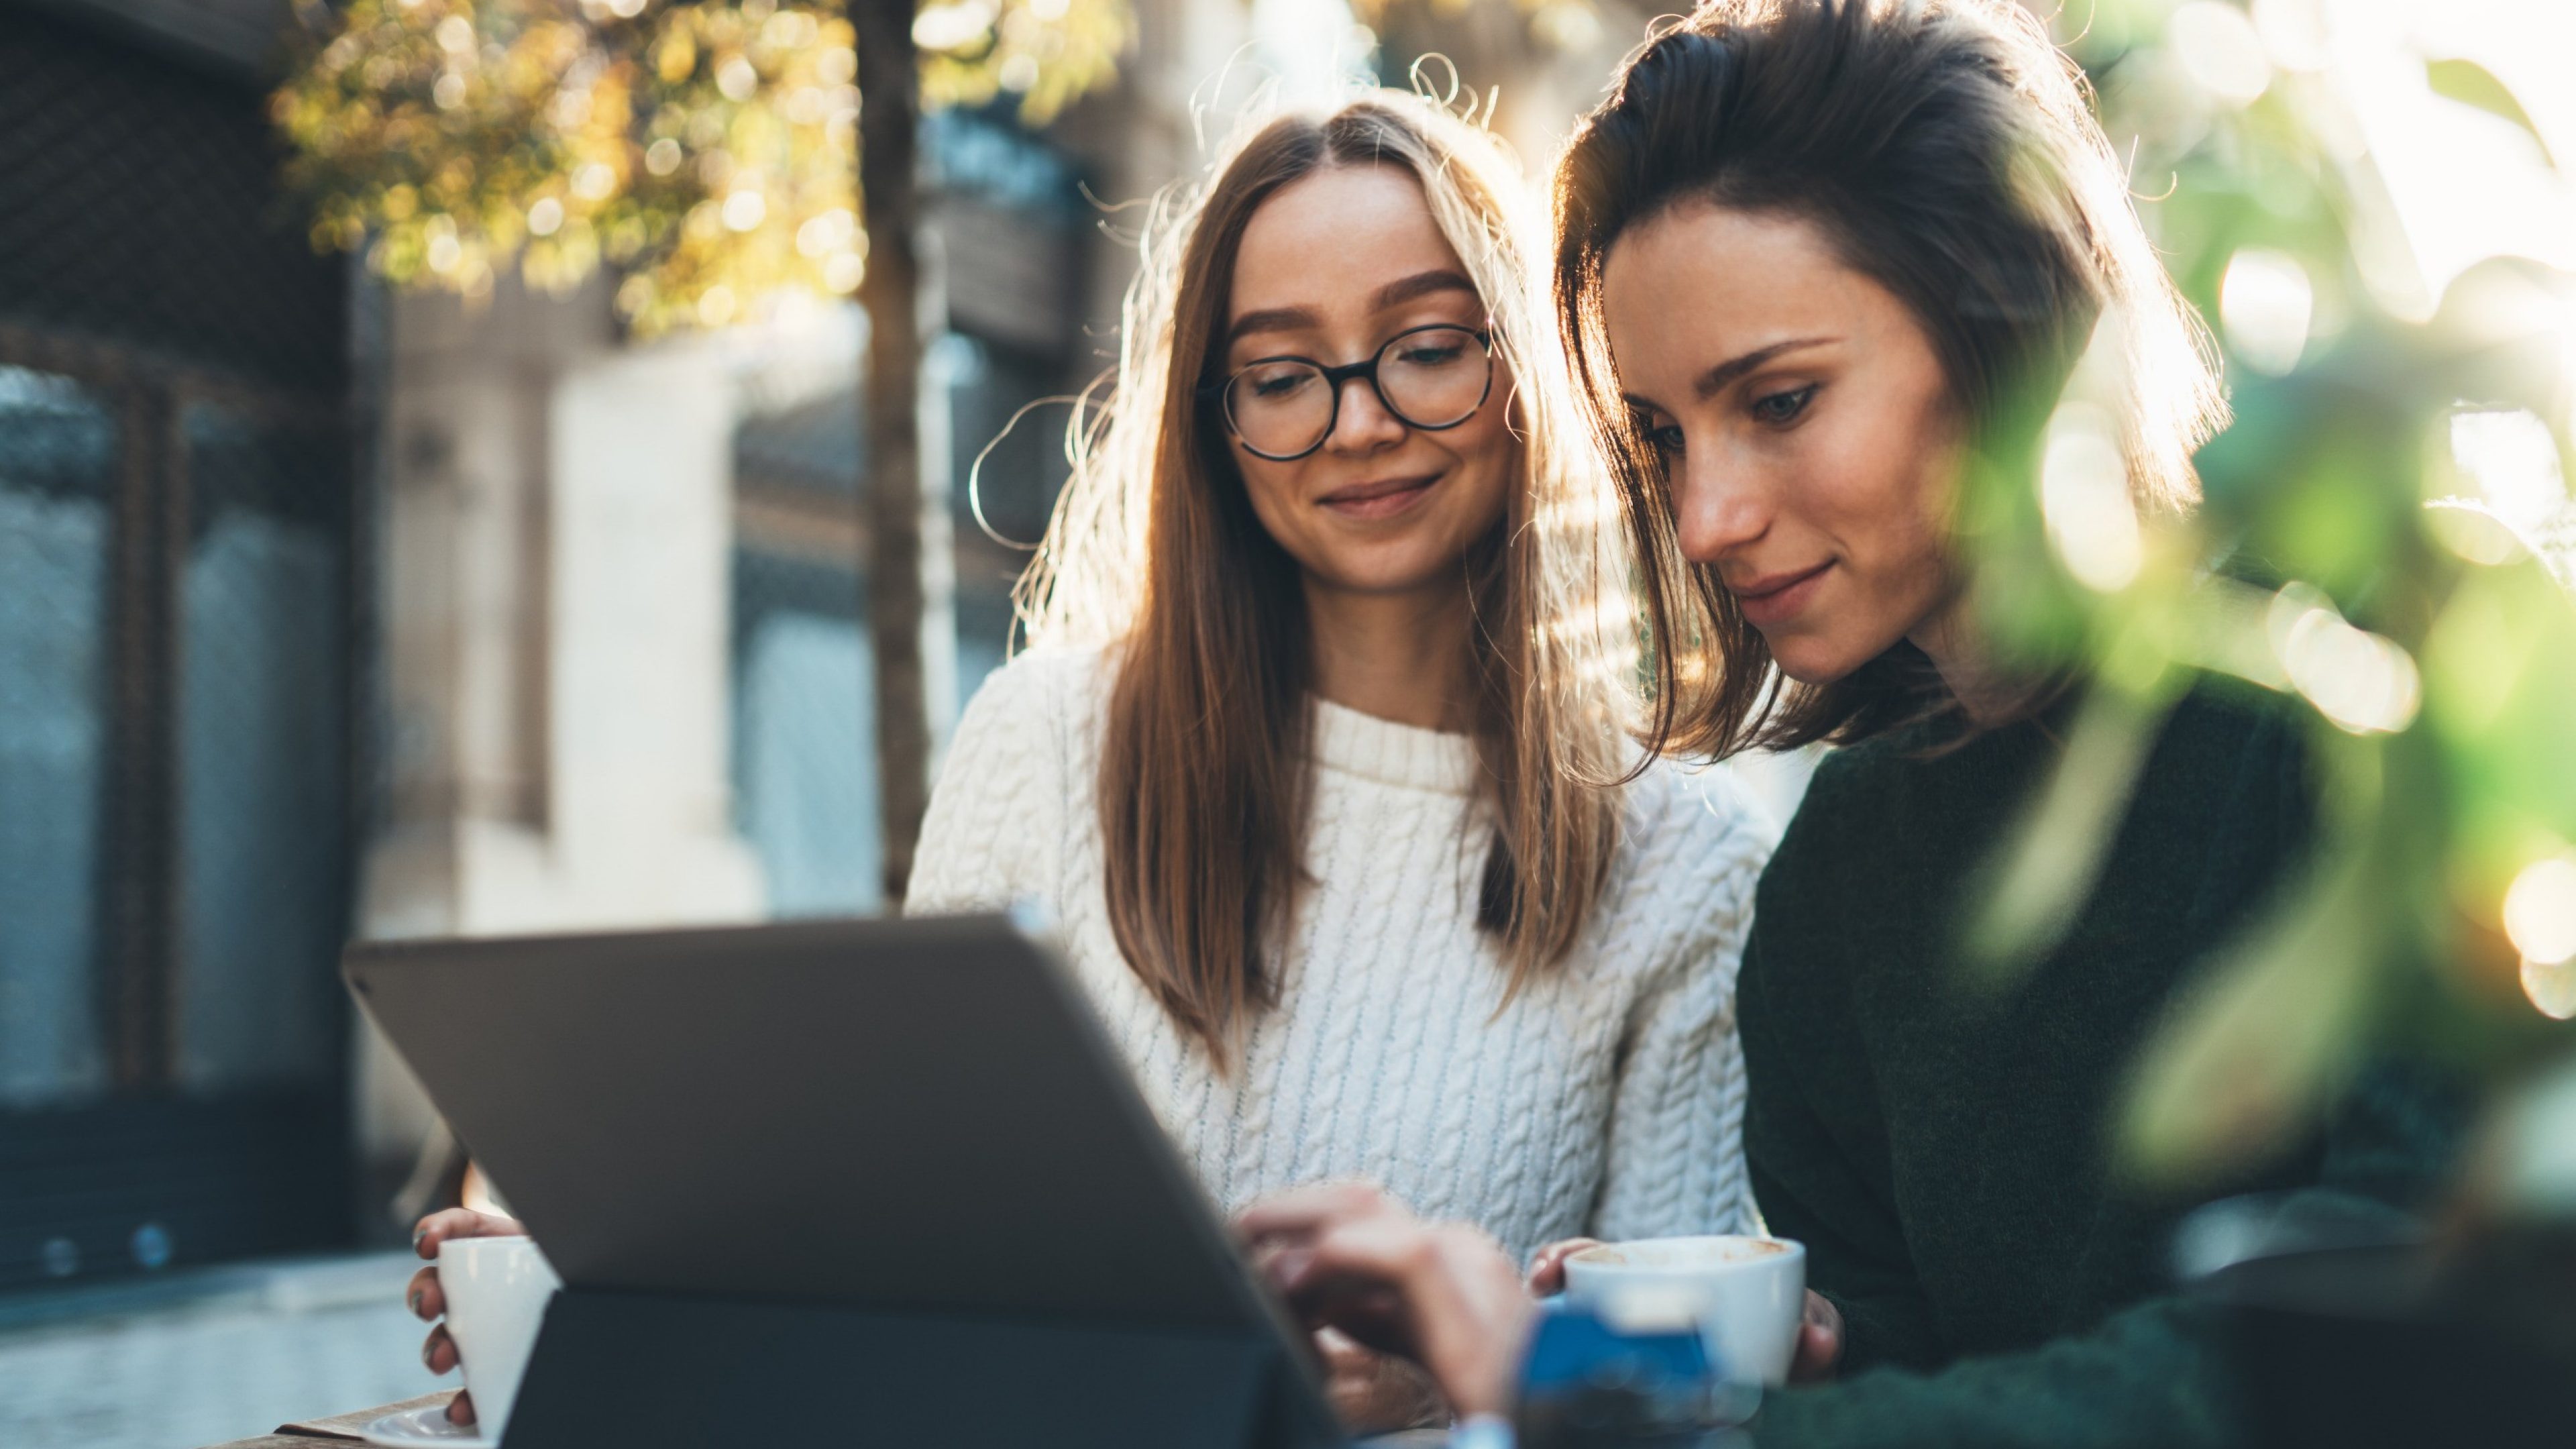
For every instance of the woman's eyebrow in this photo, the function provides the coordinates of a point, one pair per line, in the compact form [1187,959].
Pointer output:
[1714,381]
[1393,294]
[1420,284]
[1273,319]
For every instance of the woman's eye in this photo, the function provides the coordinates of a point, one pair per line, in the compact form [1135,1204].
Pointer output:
[1783,407]
[1429,356]
[1278,384]
[1666,440]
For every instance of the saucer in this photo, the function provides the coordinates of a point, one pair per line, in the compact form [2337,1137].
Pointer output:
[427,1424]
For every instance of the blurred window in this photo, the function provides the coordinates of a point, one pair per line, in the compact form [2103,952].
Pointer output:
[262,831]
[175,658]
[58,452]
[805,764]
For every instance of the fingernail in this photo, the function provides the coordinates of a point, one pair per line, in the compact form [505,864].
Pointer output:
[414,1300]
[427,1352]
[418,1232]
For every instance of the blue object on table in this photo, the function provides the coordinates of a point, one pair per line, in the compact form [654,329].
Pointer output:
[1614,1376]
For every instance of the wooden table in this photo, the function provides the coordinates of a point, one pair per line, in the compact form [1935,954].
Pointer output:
[340,1430]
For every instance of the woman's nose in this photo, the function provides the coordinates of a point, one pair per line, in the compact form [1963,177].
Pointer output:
[1717,507]
[1364,424]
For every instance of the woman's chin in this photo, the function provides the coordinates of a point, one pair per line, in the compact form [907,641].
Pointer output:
[1428,562]
[1809,660]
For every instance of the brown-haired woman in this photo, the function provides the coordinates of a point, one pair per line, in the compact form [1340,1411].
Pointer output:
[1310,754]
[1816,259]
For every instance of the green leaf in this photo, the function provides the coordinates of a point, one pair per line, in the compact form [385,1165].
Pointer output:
[2472,84]
[2247,1061]
[2053,857]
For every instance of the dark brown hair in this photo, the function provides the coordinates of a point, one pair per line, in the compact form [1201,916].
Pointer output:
[1949,152]
[1155,553]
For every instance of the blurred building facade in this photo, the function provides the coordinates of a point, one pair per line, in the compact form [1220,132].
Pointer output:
[180,616]
[326,611]
[329,612]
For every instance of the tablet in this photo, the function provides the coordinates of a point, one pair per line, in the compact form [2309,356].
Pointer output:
[912,1116]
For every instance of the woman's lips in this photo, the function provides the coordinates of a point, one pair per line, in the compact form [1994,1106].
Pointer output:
[1777,599]
[1382,499]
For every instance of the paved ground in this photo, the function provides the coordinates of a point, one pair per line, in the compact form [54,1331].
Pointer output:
[220,1354]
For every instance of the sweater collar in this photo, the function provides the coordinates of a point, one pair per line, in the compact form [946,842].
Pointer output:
[1391,753]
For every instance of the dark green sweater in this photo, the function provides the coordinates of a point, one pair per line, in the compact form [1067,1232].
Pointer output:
[1942,1148]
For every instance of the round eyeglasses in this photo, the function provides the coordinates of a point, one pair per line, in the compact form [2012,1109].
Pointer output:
[1432,378]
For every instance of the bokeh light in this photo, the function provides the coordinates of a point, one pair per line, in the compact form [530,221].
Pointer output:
[2363,682]
[2293,32]
[2540,911]
[2474,531]
[2220,49]
[951,27]
[2551,988]
[2512,458]
[2084,494]
[2266,304]
[2461,182]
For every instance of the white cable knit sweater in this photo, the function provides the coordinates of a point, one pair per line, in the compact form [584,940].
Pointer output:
[1608,1099]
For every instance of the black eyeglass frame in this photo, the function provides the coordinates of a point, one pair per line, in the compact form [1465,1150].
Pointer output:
[1336,377]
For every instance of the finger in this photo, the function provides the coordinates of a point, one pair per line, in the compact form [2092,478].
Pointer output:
[1341,1353]
[438,1351]
[1309,1209]
[460,1410]
[1360,1251]
[1379,1394]
[440,1226]
[1283,1267]
[1828,1320]
[1390,1255]
[1547,1269]
[1367,1324]
[1371,1392]
[1820,1343]
[1811,1362]
[1363,1277]
[1443,1295]
[426,1298]
[1471,1314]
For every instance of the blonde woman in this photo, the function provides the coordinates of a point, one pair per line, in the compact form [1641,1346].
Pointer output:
[1319,665]
[1320,662]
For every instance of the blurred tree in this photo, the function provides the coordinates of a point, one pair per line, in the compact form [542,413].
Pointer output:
[713,154]
[2377,543]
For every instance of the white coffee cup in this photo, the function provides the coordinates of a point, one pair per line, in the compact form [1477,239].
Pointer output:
[497,1290]
[1752,1292]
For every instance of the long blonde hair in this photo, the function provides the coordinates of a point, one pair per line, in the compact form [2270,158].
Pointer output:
[1153,552]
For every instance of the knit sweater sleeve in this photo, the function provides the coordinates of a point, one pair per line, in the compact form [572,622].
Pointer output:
[1674,1162]
[993,833]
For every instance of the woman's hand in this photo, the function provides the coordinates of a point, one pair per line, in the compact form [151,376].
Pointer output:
[1348,1257]
[1373,1392]
[427,1301]
[1547,1265]
[1820,1337]
[1820,1341]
